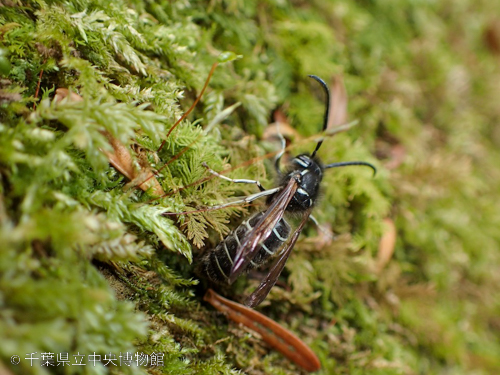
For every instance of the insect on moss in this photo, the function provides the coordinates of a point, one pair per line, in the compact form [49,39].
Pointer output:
[266,235]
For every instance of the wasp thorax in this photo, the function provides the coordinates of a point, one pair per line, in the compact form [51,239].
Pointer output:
[308,172]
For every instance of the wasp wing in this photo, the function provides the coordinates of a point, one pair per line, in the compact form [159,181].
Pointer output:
[249,247]
[266,285]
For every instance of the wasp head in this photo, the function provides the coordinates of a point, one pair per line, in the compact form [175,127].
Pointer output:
[308,173]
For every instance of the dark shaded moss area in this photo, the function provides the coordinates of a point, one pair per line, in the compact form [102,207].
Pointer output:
[89,265]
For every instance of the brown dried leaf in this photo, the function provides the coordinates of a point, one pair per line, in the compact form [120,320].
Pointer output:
[121,158]
[62,93]
[386,245]
[492,36]
[277,336]
[338,103]
[397,156]
[280,125]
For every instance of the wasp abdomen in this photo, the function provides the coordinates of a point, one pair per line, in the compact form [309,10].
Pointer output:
[217,263]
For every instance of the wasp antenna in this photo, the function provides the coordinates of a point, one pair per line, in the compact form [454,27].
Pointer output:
[327,110]
[346,163]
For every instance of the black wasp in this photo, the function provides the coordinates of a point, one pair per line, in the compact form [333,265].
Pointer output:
[267,235]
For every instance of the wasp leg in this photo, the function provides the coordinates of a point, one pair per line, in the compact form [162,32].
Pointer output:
[314,220]
[277,159]
[235,180]
[247,199]
[243,201]
[328,234]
